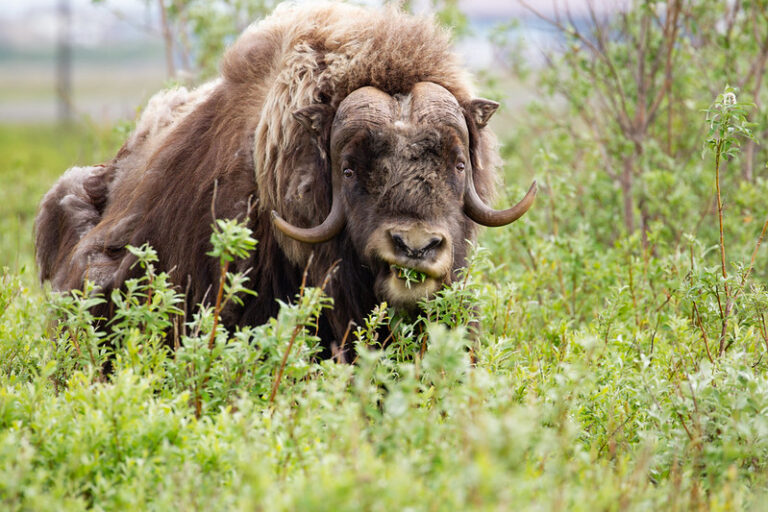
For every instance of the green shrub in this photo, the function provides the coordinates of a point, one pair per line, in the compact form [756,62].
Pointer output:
[592,357]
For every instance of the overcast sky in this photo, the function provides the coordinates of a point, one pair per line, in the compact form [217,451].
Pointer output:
[112,90]
[34,22]
[500,8]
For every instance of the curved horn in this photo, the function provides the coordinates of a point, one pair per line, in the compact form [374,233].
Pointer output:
[362,108]
[481,213]
[330,227]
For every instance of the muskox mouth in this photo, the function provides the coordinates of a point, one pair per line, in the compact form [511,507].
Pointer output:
[410,276]
[411,260]
[403,287]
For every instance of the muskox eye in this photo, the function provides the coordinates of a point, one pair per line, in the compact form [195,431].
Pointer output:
[348,173]
[460,166]
[114,251]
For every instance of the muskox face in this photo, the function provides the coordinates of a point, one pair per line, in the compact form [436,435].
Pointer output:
[403,187]
[401,171]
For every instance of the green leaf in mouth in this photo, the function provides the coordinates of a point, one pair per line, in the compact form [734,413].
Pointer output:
[408,275]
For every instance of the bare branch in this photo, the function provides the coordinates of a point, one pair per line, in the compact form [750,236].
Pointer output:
[623,112]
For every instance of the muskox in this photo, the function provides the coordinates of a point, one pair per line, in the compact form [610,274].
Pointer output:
[340,132]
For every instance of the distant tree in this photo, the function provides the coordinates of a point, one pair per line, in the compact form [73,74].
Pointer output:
[64,62]
[629,81]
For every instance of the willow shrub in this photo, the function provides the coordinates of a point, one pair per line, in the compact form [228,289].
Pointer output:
[607,400]
[576,365]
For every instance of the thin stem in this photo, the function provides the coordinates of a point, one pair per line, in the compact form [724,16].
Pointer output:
[299,326]
[703,332]
[728,298]
[73,337]
[424,337]
[212,339]
[720,215]
[728,308]
[341,357]
[279,376]
[217,308]
[632,292]
[763,330]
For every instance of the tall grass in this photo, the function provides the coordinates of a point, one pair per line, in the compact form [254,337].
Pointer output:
[32,157]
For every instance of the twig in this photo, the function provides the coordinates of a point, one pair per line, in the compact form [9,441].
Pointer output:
[728,298]
[669,297]
[615,431]
[671,39]
[75,342]
[703,332]
[621,113]
[176,342]
[763,330]
[653,335]
[296,330]
[720,215]
[632,292]
[217,308]
[688,432]
[279,376]
[719,303]
[424,337]
[344,342]
[391,334]
[728,309]
[328,274]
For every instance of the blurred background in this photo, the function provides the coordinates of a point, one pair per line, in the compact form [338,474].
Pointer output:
[100,60]
[63,59]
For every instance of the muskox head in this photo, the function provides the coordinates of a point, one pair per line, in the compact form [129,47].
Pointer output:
[402,179]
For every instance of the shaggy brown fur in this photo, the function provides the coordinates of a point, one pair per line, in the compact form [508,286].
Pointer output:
[239,135]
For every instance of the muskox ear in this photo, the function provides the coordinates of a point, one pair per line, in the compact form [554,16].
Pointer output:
[316,119]
[483,155]
[481,111]
[308,188]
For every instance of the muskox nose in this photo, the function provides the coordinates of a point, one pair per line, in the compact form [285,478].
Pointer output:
[416,243]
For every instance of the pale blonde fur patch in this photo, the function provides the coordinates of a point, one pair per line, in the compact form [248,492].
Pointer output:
[164,111]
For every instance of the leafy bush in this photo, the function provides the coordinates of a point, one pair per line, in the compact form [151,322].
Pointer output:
[582,361]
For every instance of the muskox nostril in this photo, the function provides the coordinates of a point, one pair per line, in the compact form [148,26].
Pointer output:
[414,246]
[400,243]
[433,243]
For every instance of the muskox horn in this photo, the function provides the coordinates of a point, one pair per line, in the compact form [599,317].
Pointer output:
[330,227]
[481,213]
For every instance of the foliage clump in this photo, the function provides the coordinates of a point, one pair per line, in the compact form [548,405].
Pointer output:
[608,351]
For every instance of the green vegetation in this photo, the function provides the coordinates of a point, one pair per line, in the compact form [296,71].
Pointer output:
[609,351]
[409,275]
[31,159]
